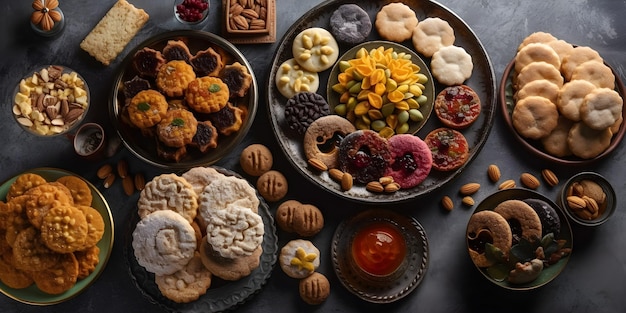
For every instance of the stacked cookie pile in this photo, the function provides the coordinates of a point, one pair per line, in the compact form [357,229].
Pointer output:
[196,226]
[49,233]
[565,97]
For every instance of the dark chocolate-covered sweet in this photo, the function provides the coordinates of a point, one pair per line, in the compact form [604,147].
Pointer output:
[303,109]
[350,24]
[365,155]
[550,221]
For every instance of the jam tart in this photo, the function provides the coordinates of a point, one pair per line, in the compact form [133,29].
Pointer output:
[207,62]
[237,78]
[227,120]
[147,62]
[176,50]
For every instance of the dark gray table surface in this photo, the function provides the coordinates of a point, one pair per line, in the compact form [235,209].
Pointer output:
[593,281]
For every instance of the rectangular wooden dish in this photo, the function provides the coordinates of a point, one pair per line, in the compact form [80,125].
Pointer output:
[248,17]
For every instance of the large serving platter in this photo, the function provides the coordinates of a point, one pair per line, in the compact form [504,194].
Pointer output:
[222,295]
[145,147]
[32,295]
[482,81]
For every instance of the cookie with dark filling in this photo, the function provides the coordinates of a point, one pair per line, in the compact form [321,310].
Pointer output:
[237,78]
[207,62]
[176,50]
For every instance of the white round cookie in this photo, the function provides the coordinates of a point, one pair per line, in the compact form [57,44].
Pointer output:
[235,231]
[299,258]
[292,78]
[164,242]
[200,177]
[224,192]
[168,192]
[431,34]
[315,49]
[451,65]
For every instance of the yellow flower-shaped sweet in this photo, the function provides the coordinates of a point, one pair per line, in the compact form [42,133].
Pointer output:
[304,260]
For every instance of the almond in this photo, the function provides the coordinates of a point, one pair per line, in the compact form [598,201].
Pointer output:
[104,171]
[392,187]
[140,182]
[250,13]
[129,185]
[493,171]
[549,177]
[529,181]
[375,186]
[122,168]
[109,180]
[576,203]
[385,180]
[468,201]
[317,164]
[469,189]
[346,181]
[591,205]
[335,174]
[447,203]
[507,184]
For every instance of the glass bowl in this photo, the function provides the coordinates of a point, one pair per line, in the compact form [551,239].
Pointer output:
[590,181]
[47,106]
[179,17]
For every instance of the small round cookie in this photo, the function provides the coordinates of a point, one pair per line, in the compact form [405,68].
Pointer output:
[87,259]
[315,49]
[578,56]
[431,34]
[235,231]
[292,78]
[42,199]
[350,24]
[223,192]
[177,128]
[168,192]
[174,77]
[556,142]
[492,224]
[147,108]
[229,269]
[520,213]
[187,284]
[60,277]
[64,229]
[207,94]
[303,219]
[95,226]
[596,73]
[457,106]
[536,71]
[395,22]
[81,193]
[299,258]
[451,65]
[541,37]
[571,97]
[536,52]
[30,253]
[272,185]
[321,133]
[11,276]
[304,108]
[237,78]
[200,176]
[207,62]
[535,117]
[163,242]
[314,289]
[587,143]
[540,87]
[411,160]
[561,47]
[256,159]
[601,108]
[23,183]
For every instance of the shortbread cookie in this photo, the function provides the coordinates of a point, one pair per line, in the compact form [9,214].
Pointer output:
[536,71]
[187,284]
[24,182]
[60,277]
[601,108]
[315,49]
[596,73]
[541,37]
[535,117]
[163,242]
[303,219]
[451,65]
[168,192]
[234,231]
[199,177]
[571,97]
[540,87]
[518,212]
[87,259]
[64,229]
[30,253]
[95,226]
[395,22]
[43,198]
[431,34]
[256,159]
[561,47]
[314,289]
[576,57]
[292,78]
[587,143]
[556,142]
[272,185]
[536,52]
[81,193]
[229,269]
[299,258]
[498,229]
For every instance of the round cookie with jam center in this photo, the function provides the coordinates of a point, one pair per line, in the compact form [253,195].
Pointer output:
[411,160]
[315,49]
[364,154]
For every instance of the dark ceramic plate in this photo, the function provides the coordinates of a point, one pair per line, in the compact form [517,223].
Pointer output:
[381,290]
[144,147]
[482,81]
[507,103]
[549,273]
[221,295]
[32,295]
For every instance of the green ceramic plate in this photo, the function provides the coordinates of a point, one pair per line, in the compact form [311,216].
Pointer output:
[32,295]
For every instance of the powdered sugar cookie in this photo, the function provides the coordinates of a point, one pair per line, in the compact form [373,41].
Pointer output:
[571,97]
[451,65]
[199,177]
[431,34]
[224,192]
[315,49]
[235,231]
[187,284]
[168,192]
[229,269]
[601,108]
[395,22]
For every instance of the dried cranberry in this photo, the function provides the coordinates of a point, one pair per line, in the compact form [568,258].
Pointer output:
[406,162]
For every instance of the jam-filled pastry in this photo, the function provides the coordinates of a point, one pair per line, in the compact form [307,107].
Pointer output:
[237,78]
[147,61]
[227,120]
[170,153]
[176,50]
[207,62]
[205,137]
[134,86]
[177,128]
